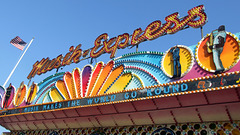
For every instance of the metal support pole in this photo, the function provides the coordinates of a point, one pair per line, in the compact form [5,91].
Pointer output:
[29,82]
[201,31]
[136,48]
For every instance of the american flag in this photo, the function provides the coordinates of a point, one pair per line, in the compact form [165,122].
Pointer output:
[18,42]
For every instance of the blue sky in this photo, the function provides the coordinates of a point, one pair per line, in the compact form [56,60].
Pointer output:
[59,24]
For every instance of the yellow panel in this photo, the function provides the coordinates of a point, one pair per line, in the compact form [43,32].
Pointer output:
[104,74]
[20,95]
[55,95]
[35,88]
[62,88]
[68,79]
[121,83]
[112,77]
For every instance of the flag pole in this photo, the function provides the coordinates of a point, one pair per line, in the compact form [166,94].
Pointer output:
[17,63]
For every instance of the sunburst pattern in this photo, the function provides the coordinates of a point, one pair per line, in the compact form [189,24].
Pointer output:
[90,82]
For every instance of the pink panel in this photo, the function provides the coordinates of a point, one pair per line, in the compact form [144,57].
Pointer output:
[13,118]
[144,105]
[23,126]
[60,123]
[141,118]
[106,120]
[15,126]
[162,117]
[107,109]
[48,115]
[59,114]
[50,124]
[71,113]
[122,119]
[213,113]
[85,111]
[222,96]
[21,118]
[84,122]
[40,125]
[185,115]
[125,107]
[71,122]
[167,102]
[39,116]
[31,125]
[234,111]
[192,99]
[30,117]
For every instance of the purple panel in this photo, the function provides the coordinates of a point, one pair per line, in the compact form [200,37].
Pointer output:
[85,79]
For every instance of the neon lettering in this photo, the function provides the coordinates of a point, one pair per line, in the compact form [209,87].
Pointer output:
[196,18]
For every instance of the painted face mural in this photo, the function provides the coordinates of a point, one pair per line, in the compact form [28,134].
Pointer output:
[218,52]
[177,61]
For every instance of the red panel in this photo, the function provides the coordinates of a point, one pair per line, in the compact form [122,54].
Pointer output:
[15,126]
[238,92]
[221,96]
[72,122]
[125,107]
[86,111]
[185,115]
[21,118]
[106,121]
[167,102]
[84,122]
[6,119]
[49,124]
[234,111]
[23,126]
[122,119]
[1,119]
[144,105]
[59,114]
[29,117]
[162,117]
[48,115]
[13,118]
[192,99]
[31,125]
[94,121]
[39,116]
[141,118]
[107,109]
[40,125]
[213,113]
[9,126]
[60,123]
[71,113]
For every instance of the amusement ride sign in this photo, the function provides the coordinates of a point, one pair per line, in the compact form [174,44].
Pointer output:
[134,76]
